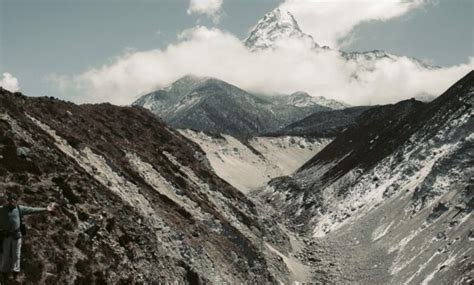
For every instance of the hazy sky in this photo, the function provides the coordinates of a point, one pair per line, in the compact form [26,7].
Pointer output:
[45,39]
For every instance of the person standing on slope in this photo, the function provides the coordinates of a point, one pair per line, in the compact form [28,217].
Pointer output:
[10,220]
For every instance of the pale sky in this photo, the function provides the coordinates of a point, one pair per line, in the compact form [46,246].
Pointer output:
[44,39]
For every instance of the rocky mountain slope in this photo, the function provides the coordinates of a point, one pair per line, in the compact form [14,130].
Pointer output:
[212,105]
[249,165]
[139,202]
[390,200]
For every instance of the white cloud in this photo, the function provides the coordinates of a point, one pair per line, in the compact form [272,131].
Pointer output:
[9,82]
[210,8]
[291,67]
[329,22]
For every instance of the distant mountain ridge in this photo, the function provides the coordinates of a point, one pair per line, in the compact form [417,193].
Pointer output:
[279,26]
[325,124]
[212,105]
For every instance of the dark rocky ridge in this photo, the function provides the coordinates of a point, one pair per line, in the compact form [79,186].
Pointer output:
[325,124]
[199,230]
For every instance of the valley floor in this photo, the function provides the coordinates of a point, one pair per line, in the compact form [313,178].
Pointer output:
[370,250]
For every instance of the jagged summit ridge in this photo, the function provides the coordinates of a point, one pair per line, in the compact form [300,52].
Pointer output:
[276,26]
[366,59]
[279,28]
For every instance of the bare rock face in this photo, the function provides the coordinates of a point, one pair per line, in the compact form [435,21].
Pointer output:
[390,199]
[138,201]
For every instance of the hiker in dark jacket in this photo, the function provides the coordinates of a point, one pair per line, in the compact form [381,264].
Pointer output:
[11,233]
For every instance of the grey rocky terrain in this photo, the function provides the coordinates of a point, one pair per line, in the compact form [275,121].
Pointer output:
[390,199]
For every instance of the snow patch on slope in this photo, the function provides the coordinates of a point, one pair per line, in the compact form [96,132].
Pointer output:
[368,192]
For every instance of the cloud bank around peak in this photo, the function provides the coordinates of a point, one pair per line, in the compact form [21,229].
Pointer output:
[9,82]
[211,8]
[330,22]
[291,67]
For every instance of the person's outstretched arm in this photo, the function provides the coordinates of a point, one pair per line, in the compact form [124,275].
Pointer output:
[34,210]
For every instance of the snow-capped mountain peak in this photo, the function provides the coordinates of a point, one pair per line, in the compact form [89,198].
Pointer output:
[300,99]
[188,81]
[303,99]
[276,26]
